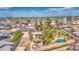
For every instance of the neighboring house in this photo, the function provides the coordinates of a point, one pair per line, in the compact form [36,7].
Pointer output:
[5,34]
[5,45]
[2,25]
[65,21]
[75,22]
[75,25]
[76,28]
[13,25]
[53,23]
[13,30]
[76,34]
[29,28]
[36,34]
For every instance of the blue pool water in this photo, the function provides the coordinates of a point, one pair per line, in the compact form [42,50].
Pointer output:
[58,40]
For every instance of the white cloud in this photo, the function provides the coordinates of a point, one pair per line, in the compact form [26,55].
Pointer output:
[57,11]
[68,7]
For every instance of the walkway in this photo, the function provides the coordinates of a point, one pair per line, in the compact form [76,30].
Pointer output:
[24,42]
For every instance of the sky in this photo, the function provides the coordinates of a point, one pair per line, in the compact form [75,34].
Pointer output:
[38,11]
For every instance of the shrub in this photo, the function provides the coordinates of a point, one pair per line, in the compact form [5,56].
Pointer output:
[17,35]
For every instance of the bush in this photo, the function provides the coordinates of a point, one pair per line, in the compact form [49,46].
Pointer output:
[16,36]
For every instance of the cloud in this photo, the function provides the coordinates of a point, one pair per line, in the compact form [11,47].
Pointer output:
[68,7]
[60,11]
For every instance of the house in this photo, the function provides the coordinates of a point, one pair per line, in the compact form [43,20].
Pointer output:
[75,28]
[13,30]
[28,28]
[65,21]
[37,41]
[5,34]
[53,23]
[75,22]
[36,34]
[76,34]
[5,45]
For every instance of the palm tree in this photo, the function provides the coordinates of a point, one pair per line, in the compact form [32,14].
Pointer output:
[48,21]
[57,23]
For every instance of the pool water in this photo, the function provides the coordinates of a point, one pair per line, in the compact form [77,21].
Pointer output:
[58,40]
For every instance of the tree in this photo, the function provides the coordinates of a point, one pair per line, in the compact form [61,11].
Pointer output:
[69,19]
[36,25]
[47,35]
[56,21]
[48,21]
